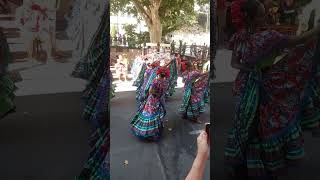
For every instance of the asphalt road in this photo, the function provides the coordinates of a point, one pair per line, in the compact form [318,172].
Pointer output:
[223,115]
[45,139]
[169,159]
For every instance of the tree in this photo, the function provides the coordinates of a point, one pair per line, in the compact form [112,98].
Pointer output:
[161,16]
[114,31]
[130,34]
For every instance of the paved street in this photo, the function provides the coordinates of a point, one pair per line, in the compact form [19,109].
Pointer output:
[223,115]
[169,159]
[46,139]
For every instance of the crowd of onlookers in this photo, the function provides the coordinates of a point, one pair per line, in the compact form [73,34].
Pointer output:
[123,66]
[119,39]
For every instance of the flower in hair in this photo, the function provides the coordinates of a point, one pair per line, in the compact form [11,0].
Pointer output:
[163,71]
[155,64]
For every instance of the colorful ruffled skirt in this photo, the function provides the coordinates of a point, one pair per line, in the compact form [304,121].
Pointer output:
[193,103]
[143,90]
[97,166]
[96,99]
[173,78]
[147,124]
[310,115]
[7,88]
[266,136]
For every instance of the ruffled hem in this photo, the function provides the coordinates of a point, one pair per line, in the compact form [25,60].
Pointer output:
[97,166]
[149,136]
[269,157]
[7,88]
[193,111]
[148,128]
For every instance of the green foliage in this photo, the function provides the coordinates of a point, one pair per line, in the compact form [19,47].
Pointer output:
[173,13]
[202,20]
[131,36]
[135,39]
[142,38]
[114,31]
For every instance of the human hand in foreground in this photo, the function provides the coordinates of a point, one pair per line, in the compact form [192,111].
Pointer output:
[199,163]
[203,145]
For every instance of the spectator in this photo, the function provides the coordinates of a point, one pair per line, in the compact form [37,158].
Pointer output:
[124,40]
[178,59]
[121,68]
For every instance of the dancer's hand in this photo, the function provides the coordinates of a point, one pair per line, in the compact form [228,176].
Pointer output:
[203,145]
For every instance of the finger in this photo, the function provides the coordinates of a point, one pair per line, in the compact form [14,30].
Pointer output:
[203,134]
[200,136]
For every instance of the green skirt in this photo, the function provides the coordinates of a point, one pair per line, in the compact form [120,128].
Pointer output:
[7,88]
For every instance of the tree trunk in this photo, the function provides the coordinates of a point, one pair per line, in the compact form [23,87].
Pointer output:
[152,19]
[155,27]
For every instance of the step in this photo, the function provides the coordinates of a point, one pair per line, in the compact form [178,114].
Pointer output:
[10,29]
[7,18]
[16,47]
[16,2]
[8,24]
[26,64]
[19,56]
[12,35]
[16,40]
[49,86]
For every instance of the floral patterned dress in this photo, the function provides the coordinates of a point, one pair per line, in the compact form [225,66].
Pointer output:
[194,94]
[148,121]
[266,134]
